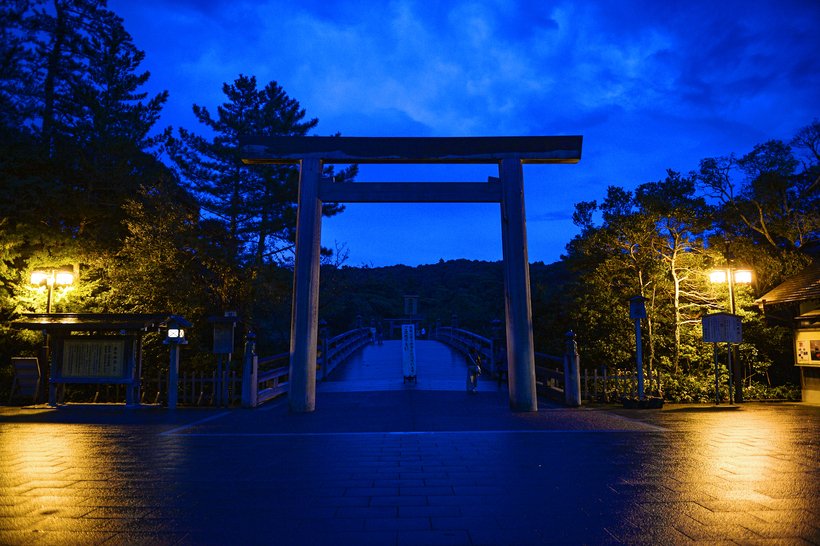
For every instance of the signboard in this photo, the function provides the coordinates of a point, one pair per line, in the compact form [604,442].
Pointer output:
[807,347]
[408,350]
[223,338]
[722,327]
[637,307]
[94,358]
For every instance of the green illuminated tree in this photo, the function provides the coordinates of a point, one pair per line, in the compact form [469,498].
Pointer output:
[681,220]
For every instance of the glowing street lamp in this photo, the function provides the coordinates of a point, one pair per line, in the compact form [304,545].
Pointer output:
[732,277]
[49,278]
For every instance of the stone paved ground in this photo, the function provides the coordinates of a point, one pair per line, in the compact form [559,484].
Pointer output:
[410,464]
[411,467]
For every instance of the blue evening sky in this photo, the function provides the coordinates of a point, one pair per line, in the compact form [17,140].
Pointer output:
[650,85]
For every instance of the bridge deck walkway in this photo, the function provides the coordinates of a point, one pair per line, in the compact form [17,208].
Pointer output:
[379,368]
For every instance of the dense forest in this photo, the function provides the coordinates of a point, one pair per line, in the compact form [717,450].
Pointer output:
[162,219]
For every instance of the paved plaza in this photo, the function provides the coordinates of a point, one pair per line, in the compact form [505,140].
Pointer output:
[410,464]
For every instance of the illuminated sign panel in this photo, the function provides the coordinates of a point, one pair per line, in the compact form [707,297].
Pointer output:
[807,347]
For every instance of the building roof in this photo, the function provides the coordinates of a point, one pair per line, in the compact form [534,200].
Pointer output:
[79,322]
[804,286]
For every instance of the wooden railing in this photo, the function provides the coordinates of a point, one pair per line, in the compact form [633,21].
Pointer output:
[271,377]
[549,369]
[464,340]
[258,379]
[272,373]
[549,376]
[338,349]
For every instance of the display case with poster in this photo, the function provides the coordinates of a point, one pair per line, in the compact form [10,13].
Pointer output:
[807,347]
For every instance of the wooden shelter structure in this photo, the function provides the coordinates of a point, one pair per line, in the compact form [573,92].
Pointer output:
[94,348]
[796,302]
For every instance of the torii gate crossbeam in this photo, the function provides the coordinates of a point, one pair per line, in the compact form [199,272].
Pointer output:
[510,153]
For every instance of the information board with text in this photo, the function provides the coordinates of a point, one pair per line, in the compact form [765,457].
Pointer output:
[94,358]
[722,327]
[408,346]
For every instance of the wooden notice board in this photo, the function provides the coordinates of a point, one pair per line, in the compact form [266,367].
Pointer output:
[722,327]
[94,359]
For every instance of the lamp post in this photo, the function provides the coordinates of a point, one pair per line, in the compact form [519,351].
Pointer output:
[175,336]
[49,278]
[732,277]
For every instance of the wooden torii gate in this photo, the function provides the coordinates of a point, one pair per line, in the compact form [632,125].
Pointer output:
[510,153]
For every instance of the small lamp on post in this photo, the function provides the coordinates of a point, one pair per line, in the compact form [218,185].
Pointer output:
[175,336]
[733,277]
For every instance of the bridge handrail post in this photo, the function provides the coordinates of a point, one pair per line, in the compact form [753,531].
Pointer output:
[250,368]
[572,372]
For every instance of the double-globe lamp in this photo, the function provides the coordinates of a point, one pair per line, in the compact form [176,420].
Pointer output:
[49,278]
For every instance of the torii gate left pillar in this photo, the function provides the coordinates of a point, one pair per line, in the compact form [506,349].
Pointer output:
[304,326]
[311,153]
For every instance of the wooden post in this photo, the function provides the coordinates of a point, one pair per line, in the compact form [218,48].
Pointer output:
[173,371]
[305,310]
[639,357]
[520,351]
[249,372]
[572,375]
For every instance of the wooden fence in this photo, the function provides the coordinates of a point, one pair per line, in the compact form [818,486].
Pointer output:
[196,388]
[602,386]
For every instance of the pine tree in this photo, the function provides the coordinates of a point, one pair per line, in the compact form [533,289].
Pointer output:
[77,132]
[255,204]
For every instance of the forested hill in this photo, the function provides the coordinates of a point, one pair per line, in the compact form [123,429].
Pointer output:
[473,290]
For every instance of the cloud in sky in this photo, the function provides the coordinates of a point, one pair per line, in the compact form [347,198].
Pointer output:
[650,85]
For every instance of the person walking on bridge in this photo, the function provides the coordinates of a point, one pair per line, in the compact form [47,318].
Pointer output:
[473,369]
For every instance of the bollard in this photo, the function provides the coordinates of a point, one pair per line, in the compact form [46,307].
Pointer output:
[249,372]
[572,372]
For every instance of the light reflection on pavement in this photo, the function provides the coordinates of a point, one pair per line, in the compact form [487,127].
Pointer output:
[424,467]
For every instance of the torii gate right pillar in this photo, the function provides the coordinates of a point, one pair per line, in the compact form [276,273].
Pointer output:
[520,350]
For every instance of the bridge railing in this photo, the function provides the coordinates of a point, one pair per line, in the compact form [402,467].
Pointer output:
[550,370]
[271,381]
[549,376]
[266,378]
[464,340]
[339,348]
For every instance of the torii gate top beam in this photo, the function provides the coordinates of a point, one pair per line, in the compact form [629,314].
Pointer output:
[293,149]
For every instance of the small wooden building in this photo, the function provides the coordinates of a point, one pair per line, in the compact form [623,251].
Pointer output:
[94,348]
[797,301]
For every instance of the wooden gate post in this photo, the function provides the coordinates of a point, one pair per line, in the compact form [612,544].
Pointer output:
[520,351]
[305,309]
